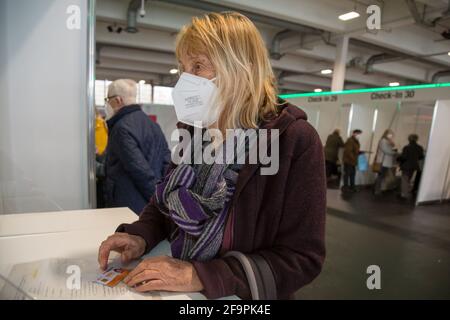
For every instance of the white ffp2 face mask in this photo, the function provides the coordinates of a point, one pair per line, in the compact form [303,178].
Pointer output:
[109,111]
[194,100]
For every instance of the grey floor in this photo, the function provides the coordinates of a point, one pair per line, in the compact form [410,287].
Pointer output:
[411,245]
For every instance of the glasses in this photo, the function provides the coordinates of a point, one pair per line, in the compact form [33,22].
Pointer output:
[107,99]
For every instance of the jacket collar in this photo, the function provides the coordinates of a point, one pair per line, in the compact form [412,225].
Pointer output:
[122,112]
[287,114]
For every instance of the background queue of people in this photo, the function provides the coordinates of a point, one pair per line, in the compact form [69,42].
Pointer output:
[386,162]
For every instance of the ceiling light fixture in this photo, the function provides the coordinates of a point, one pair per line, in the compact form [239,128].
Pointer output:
[353,14]
[349,16]
[326,71]
[318,90]
[173,71]
[394,84]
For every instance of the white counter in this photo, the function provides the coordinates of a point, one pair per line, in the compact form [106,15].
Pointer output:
[69,234]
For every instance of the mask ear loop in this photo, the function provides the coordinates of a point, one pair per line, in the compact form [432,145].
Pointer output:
[213,112]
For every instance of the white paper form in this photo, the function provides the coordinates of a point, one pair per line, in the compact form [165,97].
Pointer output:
[54,279]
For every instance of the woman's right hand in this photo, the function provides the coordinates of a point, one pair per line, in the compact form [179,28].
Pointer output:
[129,246]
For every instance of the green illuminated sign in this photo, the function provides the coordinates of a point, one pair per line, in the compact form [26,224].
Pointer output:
[413,87]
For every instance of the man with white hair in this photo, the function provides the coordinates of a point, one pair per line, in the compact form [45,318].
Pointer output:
[137,152]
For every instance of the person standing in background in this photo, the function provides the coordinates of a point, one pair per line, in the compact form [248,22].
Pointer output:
[418,176]
[332,146]
[137,153]
[101,141]
[351,152]
[101,133]
[410,158]
[386,157]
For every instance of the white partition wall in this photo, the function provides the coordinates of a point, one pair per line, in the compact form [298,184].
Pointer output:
[166,118]
[446,187]
[45,104]
[413,117]
[364,117]
[435,182]
[325,119]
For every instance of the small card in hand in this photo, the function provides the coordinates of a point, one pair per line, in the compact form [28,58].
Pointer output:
[112,276]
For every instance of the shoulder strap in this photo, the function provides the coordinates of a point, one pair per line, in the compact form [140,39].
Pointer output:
[259,275]
[249,272]
[268,279]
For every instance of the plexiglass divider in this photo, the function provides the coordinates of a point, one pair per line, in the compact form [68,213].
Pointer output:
[46,110]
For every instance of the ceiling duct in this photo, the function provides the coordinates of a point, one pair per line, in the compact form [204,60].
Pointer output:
[440,74]
[416,15]
[445,14]
[378,58]
[133,8]
[275,51]
[393,55]
[356,62]
[282,74]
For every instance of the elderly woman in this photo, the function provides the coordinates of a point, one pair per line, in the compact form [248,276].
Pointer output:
[232,229]
[386,157]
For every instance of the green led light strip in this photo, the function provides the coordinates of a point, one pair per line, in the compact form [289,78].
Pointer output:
[328,93]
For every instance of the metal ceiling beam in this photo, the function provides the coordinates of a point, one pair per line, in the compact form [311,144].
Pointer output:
[212,7]
[287,25]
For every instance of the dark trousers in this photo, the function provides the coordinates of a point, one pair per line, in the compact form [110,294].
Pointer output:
[406,182]
[417,181]
[349,175]
[331,168]
[100,193]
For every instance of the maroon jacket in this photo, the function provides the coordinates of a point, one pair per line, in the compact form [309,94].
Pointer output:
[280,217]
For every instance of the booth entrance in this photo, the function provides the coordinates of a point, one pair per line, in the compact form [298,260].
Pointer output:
[421,109]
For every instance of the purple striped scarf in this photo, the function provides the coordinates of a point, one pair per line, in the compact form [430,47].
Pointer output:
[196,198]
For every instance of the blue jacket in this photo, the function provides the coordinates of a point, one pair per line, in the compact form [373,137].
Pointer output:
[136,158]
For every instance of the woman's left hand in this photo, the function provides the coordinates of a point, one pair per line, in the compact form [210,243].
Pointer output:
[164,274]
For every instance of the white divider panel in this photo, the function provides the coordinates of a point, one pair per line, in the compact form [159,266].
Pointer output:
[362,118]
[327,118]
[43,105]
[166,118]
[413,117]
[435,178]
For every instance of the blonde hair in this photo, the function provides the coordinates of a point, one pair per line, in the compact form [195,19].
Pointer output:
[385,136]
[386,133]
[244,75]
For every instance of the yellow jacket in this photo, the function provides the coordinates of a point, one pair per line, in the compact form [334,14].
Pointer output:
[101,135]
